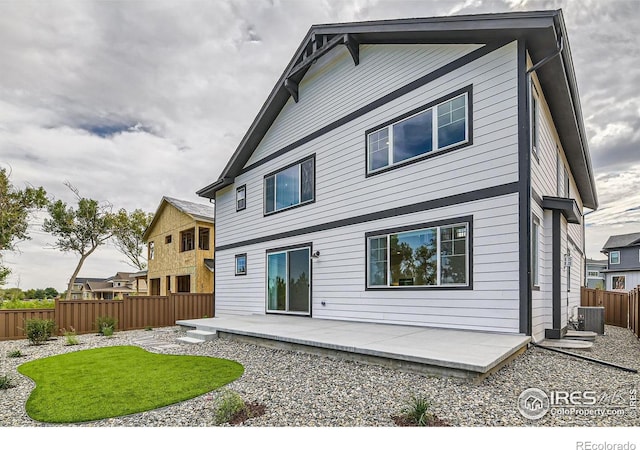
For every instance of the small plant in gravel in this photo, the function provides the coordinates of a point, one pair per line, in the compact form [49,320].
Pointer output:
[106,323]
[15,353]
[231,408]
[70,336]
[5,382]
[39,330]
[416,413]
[148,328]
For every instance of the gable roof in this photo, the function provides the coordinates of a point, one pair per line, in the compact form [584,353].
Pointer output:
[542,30]
[197,211]
[622,240]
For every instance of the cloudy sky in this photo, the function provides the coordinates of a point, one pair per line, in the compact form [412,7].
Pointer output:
[130,101]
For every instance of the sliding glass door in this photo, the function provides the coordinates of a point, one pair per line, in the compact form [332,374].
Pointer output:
[289,281]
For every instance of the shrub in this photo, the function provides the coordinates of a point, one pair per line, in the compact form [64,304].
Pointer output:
[5,382]
[15,354]
[229,404]
[106,322]
[417,411]
[39,330]
[107,331]
[70,336]
[148,329]
[27,304]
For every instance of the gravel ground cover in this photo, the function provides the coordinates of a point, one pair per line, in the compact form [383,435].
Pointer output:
[305,390]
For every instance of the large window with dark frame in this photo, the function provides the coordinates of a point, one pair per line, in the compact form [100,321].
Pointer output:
[294,185]
[429,256]
[443,125]
[203,238]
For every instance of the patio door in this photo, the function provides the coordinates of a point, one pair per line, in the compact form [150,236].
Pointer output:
[289,281]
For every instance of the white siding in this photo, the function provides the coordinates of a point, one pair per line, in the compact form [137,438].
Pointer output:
[342,191]
[632,279]
[335,87]
[338,276]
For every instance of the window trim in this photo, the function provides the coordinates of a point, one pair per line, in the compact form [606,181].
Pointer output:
[238,256]
[468,90]
[617,252]
[534,123]
[535,256]
[275,172]
[242,188]
[466,220]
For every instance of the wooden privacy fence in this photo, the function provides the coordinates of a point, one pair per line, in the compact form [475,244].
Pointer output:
[616,305]
[634,310]
[132,313]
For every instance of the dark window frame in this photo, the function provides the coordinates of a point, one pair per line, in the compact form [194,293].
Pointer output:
[275,172]
[168,238]
[468,220]
[237,257]
[468,90]
[243,189]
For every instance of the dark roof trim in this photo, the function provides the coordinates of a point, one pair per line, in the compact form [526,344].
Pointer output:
[567,206]
[539,29]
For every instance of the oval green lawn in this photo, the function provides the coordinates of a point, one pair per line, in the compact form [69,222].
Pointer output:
[114,381]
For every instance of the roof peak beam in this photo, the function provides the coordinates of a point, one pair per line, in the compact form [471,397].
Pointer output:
[318,45]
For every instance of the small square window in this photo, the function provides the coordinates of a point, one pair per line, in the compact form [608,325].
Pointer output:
[241,264]
[614,257]
[167,239]
[241,200]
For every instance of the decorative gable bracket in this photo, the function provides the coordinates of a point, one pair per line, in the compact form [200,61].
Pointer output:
[317,46]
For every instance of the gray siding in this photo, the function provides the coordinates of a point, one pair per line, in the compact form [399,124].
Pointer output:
[629,258]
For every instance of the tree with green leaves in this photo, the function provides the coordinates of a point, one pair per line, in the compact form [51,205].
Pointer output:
[128,236]
[15,207]
[81,230]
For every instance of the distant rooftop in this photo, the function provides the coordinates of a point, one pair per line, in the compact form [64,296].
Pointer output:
[622,240]
[196,210]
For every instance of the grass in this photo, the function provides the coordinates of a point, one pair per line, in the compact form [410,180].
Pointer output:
[27,304]
[114,381]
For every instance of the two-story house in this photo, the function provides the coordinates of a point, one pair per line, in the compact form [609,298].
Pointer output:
[623,263]
[111,288]
[180,248]
[429,172]
[595,278]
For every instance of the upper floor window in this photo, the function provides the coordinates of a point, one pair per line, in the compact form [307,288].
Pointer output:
[294,185]
[241,202]
[614,257]
[187,240]
[593,273]
[152,250]
[434,256]
[203,238]
[167,239]
[438,126]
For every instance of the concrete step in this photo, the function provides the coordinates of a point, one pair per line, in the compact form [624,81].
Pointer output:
[189,340]
[202,335]
[566,343]
[581,335]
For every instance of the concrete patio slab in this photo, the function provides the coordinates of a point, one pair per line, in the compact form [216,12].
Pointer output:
[467,354]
